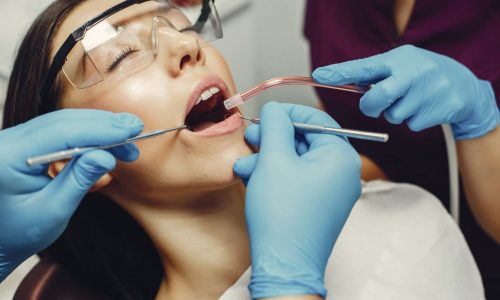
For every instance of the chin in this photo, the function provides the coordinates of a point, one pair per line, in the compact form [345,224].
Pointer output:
[218,170]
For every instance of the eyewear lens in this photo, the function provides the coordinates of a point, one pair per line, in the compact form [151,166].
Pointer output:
[128,40]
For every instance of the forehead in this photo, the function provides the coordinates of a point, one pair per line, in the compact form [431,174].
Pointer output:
[89,9]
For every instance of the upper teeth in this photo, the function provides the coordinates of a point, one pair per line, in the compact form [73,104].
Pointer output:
[207,94]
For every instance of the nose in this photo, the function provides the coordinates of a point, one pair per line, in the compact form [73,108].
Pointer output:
[179,51]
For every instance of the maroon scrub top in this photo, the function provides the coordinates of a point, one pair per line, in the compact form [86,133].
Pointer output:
[468,31]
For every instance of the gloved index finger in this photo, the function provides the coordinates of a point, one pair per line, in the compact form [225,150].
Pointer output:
[370,69]
[277,132]
[72,128]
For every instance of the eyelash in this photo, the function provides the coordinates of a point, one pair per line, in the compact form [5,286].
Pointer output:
[123,54]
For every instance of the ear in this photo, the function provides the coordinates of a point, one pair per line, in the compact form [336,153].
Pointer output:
[56,167]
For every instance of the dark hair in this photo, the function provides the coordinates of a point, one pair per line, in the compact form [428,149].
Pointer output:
[103,246]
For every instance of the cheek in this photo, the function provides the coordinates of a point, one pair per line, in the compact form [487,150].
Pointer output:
[156,104]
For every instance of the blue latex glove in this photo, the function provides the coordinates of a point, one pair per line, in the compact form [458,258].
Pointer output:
[300,192]
[34,209]
[422,87]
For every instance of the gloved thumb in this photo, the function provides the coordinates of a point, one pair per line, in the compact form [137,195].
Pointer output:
[252,134]
[245,166]
[75,180]
[276,131]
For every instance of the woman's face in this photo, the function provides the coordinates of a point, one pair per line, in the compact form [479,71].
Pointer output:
[162,95]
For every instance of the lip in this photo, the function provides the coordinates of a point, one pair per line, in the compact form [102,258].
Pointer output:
[229,125]
[203,84]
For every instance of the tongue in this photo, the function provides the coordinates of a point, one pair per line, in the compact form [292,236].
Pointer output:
[202,125]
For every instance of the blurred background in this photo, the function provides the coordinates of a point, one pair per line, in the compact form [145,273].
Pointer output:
[262,39]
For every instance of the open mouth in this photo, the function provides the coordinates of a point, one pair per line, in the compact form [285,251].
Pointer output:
[208,110]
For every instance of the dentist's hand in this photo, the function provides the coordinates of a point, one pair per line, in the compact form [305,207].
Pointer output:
[300,191]
[421,87]
[35,209]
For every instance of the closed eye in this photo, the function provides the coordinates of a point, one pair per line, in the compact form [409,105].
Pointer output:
[122,56]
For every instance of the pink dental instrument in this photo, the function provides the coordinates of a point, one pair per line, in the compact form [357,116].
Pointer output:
[239,99]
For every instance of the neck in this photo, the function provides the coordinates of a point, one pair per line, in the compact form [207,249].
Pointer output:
[403,10]
[204,247]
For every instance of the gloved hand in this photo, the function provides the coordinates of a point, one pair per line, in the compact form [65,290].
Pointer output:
[34,209]
[422,87]
[300,192]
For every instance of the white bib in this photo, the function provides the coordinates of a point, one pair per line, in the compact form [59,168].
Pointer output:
[399,243]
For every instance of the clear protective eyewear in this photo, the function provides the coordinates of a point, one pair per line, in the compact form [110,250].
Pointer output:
[125,39]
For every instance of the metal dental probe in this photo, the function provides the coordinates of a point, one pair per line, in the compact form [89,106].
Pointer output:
[66,154]
[351,133]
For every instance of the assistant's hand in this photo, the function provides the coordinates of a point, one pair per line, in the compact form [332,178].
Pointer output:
[34,209]
[300,191]
[421,87]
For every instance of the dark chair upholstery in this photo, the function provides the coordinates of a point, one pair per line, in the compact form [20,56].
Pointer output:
[48,281]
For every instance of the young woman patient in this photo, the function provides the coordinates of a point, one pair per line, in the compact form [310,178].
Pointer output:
[171,225]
